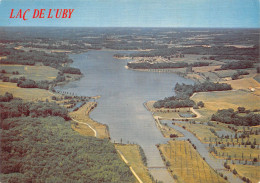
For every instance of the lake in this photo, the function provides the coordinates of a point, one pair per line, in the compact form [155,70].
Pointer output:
[123,93]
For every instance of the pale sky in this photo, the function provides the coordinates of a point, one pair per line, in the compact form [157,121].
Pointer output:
[138,13]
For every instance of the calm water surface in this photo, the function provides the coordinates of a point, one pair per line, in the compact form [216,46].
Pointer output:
[123,93]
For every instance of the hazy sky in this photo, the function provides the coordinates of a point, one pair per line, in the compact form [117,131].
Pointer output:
[138,13]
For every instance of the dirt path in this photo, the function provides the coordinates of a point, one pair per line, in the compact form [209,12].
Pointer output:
[95,132]
[132,170]
[82,116]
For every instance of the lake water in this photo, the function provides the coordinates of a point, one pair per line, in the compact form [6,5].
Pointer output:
[123,93]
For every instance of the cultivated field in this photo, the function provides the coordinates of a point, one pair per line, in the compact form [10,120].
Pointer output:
[246,84]
[227,99]
[132,154]
[36,73]
[186,165]
[31,94]
[236,153]
[248,171]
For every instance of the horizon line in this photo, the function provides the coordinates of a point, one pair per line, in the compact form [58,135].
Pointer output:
[29,26]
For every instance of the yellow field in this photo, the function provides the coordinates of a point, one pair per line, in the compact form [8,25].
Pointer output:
[242,153]
[185,163]
[36,73]
[31,94]
[248,171]
[245,83]
[132,155]
[227,99]
[82,115]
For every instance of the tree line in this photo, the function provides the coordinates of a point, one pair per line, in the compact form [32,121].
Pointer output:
[54,60]
[164,65]
[183,93]
[39,145]
[230,116]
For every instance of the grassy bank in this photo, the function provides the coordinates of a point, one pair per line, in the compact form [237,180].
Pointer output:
[82,116]
[133,156]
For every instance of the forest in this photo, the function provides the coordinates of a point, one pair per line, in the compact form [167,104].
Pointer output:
[230,116]
[15,107]
[14,56]
[46,149]
[164,65]
[237,65]
[22,82]
[183,92]
[218,52]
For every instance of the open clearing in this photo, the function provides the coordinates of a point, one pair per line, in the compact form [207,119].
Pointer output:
[82,115]
[227,99]
[132,154]
[185,164]
[248,171]
[246,84]
[31,94]
[36,73]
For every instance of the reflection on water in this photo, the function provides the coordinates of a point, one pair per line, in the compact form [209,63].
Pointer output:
[123,93]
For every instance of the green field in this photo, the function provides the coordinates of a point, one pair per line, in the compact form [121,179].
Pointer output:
[36,73]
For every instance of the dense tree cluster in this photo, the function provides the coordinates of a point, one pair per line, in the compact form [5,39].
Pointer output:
[171,102]
[164,65]
[229,116]
[46,149]
[6,98]
[200,87]
[22,82]
[136,45]
[237,65]
[70,70]
[31,57]
[239,73]
[10,107]
[183,92]
[220,52]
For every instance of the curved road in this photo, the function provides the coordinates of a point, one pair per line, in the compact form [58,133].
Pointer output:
[216,164]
